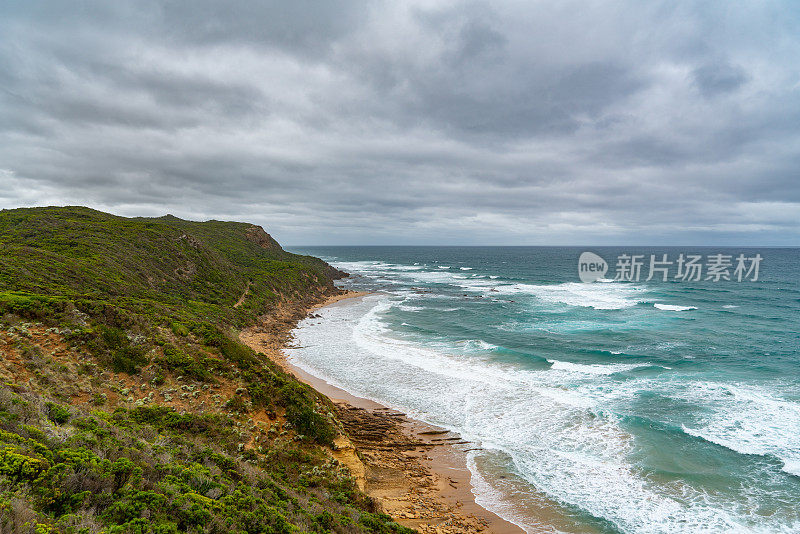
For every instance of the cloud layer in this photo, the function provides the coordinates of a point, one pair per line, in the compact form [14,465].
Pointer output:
[349,122]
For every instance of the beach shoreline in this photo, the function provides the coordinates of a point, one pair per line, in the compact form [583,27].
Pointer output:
[416,472]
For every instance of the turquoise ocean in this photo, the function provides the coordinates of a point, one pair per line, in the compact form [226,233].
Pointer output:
[630,407]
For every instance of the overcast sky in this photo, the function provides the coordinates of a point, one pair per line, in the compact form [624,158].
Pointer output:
[344,122]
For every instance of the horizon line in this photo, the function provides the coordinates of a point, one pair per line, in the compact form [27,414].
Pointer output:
[550,246]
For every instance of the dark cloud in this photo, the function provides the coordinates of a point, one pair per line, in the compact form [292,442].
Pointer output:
[718,78]
[430,122]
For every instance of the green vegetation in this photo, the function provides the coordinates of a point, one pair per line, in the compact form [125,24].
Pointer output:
[104,320]
[196,367]
[152,470]
[165,269]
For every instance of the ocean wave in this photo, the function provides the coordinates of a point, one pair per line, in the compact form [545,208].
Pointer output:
[407,308]
[597,369]
[548,422]
[373,266]
[608,296]
[747,419]
[479,344]
[597,296]
[673,307]
[792,466]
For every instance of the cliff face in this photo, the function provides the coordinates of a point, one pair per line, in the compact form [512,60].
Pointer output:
[257,235]
[127,403]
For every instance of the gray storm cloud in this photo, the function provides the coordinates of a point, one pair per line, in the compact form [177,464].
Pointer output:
[422,122]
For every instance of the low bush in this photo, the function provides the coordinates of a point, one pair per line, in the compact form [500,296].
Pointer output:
[310,424]
[57,413]
[189,366]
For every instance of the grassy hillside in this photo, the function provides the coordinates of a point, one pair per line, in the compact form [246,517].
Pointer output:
[127,403]
[164,265]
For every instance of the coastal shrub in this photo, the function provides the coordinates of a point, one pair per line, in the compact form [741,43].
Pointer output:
[128,360]
[309,423]
[236,404]
[179,329]
[261,394]
[19,467]
[293,393]
[236,353]
[124,357]
[130,507]
[57,413]
[32,307]
[184,364]
[114,338]
[382,524]
[191,478]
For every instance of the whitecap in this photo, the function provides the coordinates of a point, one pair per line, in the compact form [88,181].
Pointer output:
[595,369]
[673,307]
[478,344]
[792,466]
[597,296]
[406,307]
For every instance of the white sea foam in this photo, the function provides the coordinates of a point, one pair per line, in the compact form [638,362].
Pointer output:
[479,344]
[598,296]
[368,267]
[673,307]
[747,419]
[505,502]
[608,296]
[792,466]
[595,369]
[730,306]
[406,307]
[443,276]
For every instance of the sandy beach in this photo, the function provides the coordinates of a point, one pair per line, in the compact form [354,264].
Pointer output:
[416,472]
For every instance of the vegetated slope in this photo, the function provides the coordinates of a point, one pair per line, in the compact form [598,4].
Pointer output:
[127,403]
[188,268]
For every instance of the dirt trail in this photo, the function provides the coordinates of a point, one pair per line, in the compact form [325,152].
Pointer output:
[244,295]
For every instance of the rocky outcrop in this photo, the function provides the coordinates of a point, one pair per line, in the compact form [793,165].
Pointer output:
[257,235]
